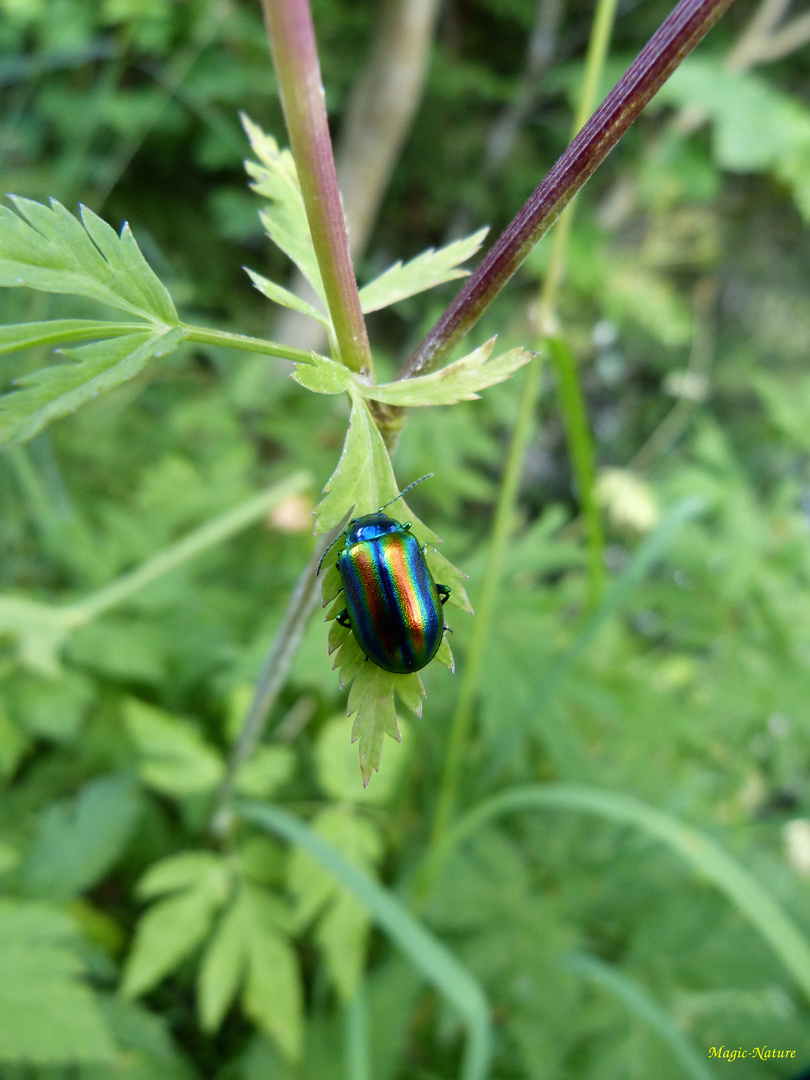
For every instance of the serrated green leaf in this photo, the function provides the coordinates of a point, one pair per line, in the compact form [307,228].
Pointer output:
[343,923]
[47,248]
[146,1050]
[268,769]
[285,219]
[324,376]
[280,295]
[171,929]
[372,698]
[363,479]
[431,268]
[410,692]
[362,483]
[336,762]
[39,631]
[52,392]
[272,995]
[173,757]
[426,952]
[459,381]
[251,948]
[177,873]
[59,332]
[78,840]
[222,968]
[48,1016]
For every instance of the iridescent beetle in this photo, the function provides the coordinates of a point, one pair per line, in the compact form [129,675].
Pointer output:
[393,605]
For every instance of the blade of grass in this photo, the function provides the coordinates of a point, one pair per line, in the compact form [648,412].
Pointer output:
[638,1001]
[356,1035]
[569,387]
[505,511]
[439,966]
[580,447]
[706,857]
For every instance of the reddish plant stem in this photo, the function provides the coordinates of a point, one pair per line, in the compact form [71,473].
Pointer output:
[295,58]
[673,41]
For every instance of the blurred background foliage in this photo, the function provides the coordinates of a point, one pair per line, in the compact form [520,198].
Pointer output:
[685,303]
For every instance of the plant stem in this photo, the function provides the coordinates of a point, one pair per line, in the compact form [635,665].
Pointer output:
[507,498]
[204,336]
[581,452]
[214,532]
[485,611]
[673,41]
[569,387]
[295,57]
[271,680]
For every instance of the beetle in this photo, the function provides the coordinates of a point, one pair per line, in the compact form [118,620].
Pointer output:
[393,605]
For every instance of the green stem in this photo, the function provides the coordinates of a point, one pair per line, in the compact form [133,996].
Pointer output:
[214,532]
[295,57]
[505,513]
[270,682]
[485,609]
[357,1035]
[205,336]
[569,388]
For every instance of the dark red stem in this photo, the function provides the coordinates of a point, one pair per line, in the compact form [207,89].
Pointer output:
[674,40]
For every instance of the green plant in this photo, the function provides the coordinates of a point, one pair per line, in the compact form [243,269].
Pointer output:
[137,757]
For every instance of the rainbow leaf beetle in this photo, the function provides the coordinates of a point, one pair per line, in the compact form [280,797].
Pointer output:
[394,608]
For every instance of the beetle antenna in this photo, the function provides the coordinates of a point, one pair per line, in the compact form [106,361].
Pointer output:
[326,551]
[405,490]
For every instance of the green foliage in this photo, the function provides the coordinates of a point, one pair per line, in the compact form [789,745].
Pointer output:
[143,579]
[755,126]
[53,392]
[285,219]
[47,249]
[427,270]
[77,841]
[49,1016]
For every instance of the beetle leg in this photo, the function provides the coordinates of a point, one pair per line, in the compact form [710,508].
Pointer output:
[444,592]
[343,618]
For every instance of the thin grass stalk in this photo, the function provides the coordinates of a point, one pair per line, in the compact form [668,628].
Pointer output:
[505,514]
[485,609]
[706,857]
[570,396]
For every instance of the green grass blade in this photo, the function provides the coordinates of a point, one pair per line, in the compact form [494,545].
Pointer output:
[425,951]
[580,447]
[704,855]
[638,1001]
